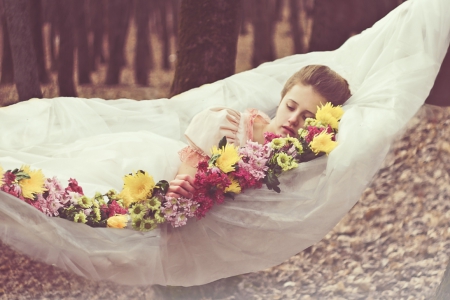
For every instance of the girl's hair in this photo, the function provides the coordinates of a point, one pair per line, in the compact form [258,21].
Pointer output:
[323,80]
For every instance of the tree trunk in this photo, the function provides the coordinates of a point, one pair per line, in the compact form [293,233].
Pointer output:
[118,21]
[440,93]
[97,21]
[332,24]
[367,12]
[165,35]
[207,43]
[7,61]
[142,56]
[296,28]
[36,28]
[263,20]
[26,75]
[66,49]
[83,55]
[175,17]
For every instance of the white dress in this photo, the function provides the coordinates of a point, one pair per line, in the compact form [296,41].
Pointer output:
[391,68]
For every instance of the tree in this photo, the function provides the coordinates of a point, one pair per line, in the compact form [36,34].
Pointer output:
[207,42]
[82,45]
[164,34]
[440,93]
[264,18]
[26,76]
[332,25]
[36,28]
[296,27]
[7,63]
[118,21]
[143,56]
[97,21]
[66,83]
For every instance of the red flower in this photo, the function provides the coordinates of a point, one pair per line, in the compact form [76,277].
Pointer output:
[269,136]
[210,190]
[74,187]
[9,177]
[113,208]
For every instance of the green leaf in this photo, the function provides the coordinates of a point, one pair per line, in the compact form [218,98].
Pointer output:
[22,175]
[162,185]
[213,159]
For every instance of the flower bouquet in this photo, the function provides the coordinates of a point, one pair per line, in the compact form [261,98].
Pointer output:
[229,171]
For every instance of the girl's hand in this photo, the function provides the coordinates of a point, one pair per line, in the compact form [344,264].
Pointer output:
[181,186]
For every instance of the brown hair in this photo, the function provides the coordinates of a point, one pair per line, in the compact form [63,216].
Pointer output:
[324,81]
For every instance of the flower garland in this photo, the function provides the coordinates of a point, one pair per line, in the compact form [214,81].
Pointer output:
[229,171]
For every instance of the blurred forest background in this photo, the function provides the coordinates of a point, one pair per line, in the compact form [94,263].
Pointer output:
[128,49]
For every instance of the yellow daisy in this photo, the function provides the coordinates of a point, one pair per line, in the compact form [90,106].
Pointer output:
[277,143]
[323,143]
[32,185]
[85,202]
[329,115]
[234,187]
[137,187]
[80,218]
[229,156]
[117,221]
[148,224]
[286,162]
[159,216]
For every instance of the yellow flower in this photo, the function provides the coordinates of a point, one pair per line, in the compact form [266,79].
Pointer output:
[136,187]
[148,224]
[117,221]
[335,111]
[277,143]
[286,162]
[229,156]
[159,216]
[97,214]
[138,210]
[302,132]
[85,202]
[296,143]
[80,218]
[32,185]
[1,175]
[153,203]
[310,122]
[234,187]
[323,143]
[329,115]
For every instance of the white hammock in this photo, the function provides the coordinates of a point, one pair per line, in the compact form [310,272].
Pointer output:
[391,68]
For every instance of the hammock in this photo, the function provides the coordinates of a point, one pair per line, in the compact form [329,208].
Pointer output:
[391,68]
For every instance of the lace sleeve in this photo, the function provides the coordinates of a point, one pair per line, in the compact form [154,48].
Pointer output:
[191,156]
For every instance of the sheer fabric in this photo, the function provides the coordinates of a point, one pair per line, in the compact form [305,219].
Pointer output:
[391,68]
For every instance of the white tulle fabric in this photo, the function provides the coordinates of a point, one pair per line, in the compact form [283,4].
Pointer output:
[391,69]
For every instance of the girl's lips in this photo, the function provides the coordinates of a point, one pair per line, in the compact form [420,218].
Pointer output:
[289,130]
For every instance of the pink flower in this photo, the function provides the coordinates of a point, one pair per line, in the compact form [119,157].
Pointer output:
[177,211]
[113,208]
[269,136]
[74,187]
[9,177]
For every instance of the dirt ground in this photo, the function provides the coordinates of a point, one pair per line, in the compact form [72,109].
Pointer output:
[393,244]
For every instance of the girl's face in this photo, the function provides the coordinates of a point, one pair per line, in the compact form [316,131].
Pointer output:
[299,103]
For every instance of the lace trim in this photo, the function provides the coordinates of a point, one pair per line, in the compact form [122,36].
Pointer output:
[254,113]
[191,156]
